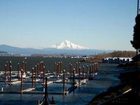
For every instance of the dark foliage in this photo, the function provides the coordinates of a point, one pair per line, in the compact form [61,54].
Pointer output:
[136,36]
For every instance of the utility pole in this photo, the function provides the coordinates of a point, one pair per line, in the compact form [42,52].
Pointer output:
[138,8]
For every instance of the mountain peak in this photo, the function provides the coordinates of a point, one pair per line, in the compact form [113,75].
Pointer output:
[68,45]
[67,41]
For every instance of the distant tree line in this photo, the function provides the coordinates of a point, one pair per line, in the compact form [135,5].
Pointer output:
[122,54]
[99,57]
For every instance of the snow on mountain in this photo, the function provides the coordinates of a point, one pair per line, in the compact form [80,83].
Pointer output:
[68,45]
[65,48]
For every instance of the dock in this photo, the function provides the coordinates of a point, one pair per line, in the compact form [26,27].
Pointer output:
[32,92]
[28,90]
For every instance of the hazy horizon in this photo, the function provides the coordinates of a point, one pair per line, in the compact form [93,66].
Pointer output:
[94,24]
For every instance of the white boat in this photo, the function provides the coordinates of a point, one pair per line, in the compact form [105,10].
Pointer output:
[23,75]
[84,81]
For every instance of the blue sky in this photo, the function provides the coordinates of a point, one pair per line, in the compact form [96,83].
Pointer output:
[99,24]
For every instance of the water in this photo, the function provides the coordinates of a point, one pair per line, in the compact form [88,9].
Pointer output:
[107,77]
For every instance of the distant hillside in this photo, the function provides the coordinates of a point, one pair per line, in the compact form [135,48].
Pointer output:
[3,52]
[17,50]
[30,51]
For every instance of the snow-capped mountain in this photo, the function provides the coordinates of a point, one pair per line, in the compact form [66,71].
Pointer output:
[68,45]
[65,48]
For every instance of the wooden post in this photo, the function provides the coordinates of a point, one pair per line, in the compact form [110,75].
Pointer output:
[59,67]
[18,69]
[70,70]
[87,70]
[83,72]
[32,77]
[25,62]
[55,68]
[92,68]
[5,68]
[37,69]
[79,70]
[63,81]
[24,66]
[35,74]
[52,101]
[43,74]
[77,67]
[95,67]
[10,70]
[40,70]
[61,70]
[46,92]
[21,74]
[73,77]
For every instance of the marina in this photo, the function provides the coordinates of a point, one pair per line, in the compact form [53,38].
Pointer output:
[69,52]
[76,85]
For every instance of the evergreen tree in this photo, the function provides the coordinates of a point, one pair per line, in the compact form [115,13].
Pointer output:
[136,36]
